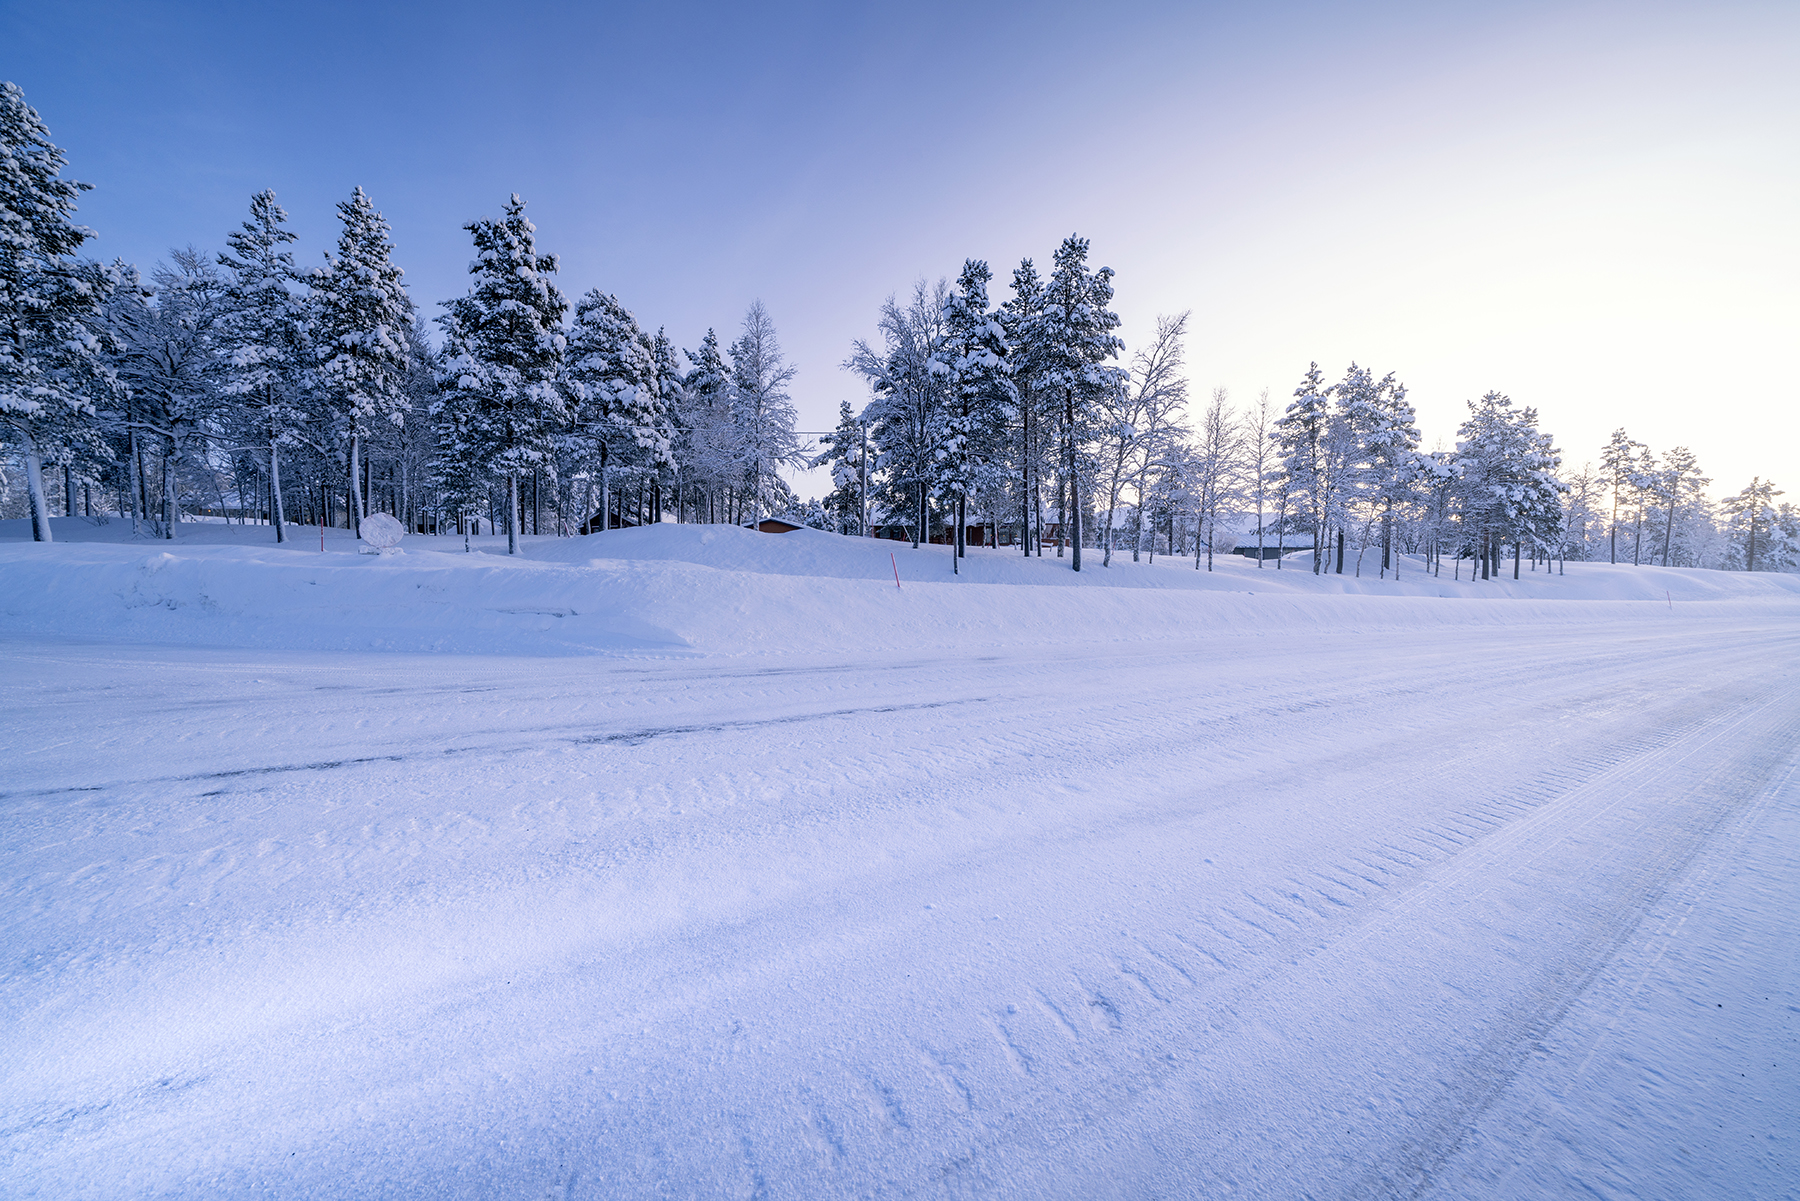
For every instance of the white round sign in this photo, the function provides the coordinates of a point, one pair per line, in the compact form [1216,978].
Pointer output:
[381,531]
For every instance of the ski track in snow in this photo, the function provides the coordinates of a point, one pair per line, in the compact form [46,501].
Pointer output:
[1423,913]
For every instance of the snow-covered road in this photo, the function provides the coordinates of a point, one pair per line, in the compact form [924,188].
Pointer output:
[1260,914]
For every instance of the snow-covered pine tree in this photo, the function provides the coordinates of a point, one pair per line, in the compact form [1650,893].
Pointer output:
[709,428]
[1019,317]
[1751,515]
[360,314]
[1381,437]
[503,355]
[671,376]
[1506,471]
[614,382]
[844,452]
[1677,483]
[171,359]
[1301,436]
[459,462]
[1345,467]
[263,336]
[1642,491]
[906,413]
[1072,339]
[54,338]
[972,358]
[416,442]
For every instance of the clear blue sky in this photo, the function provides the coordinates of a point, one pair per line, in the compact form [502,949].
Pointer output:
[1588,206]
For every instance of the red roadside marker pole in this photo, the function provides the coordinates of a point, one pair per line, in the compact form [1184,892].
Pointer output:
[896,564]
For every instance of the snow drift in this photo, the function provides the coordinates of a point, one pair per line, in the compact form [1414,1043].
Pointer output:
[683,590]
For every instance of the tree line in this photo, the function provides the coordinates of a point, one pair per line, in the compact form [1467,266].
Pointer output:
[243,385]
[1017,415]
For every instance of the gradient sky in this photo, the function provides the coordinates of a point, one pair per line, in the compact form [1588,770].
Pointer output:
[1590,207]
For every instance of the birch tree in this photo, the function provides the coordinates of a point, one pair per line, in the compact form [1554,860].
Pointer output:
[766,417]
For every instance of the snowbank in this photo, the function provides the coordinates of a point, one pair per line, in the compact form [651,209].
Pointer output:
[685,590]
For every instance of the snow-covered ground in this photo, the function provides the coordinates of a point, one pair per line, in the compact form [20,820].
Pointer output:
[695,862]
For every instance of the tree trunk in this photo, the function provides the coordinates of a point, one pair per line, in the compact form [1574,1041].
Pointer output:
[34,484]
[355,515]
[1025,490]
[276,514]
[512,512]
[605,491]
[168,475]
[1074,519]
[1669,533]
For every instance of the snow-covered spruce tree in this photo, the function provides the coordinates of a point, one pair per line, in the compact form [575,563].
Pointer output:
[415,443]
[709,430]
[1784,539]
[845,452]
[459,471]
[764,410]
[620,411]
[54,337]
[503,356]
[1072,338]
[263,336]
[1354,397]
[1751,524]
[171,359]
[909,403]
[1506,471]
[1301,438]
[1019,317]
[1382,447]
[971,356]
[360,314]
[671,377]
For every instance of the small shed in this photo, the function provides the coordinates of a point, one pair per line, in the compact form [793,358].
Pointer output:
[598,522]
[1273,546]
[777,525]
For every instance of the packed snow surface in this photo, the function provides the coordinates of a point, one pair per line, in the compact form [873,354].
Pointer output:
[690,861]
